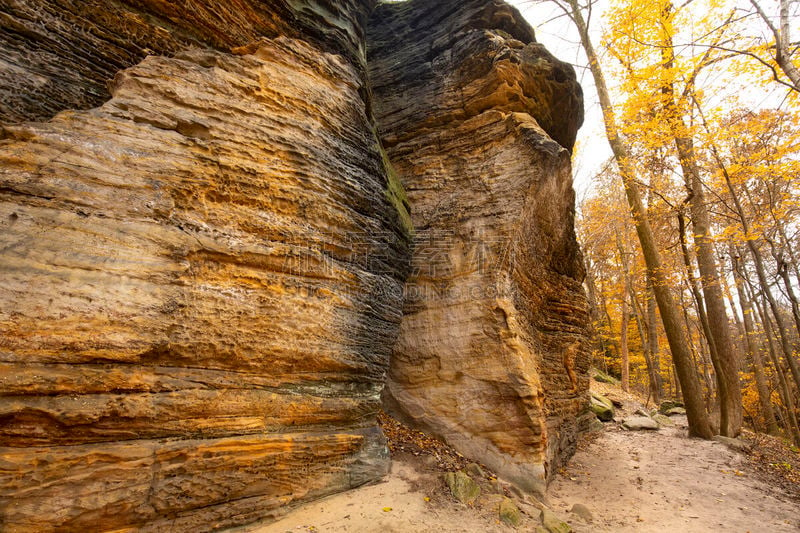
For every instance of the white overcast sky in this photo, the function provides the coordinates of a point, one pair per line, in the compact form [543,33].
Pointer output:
[561,38]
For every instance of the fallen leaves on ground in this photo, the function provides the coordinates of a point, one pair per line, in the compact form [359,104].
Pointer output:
[776,459]
[403,439]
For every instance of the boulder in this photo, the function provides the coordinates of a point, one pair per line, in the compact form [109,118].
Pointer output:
[510,513]
[602,377]
[599,398]
[601,407]
[666,405]
[462,487]
[475,469]
[478,120]
[675,411]
[663,420]
[596,425]
[637,423]
[615,400]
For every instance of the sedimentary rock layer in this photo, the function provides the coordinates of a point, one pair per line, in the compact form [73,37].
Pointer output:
[200,283]
[61,54]
[479,120]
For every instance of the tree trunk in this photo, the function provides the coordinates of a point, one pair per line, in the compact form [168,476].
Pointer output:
[623,344]
[753,349]
[652,380]
[783,334]
[784,273]
[625,318]
[696,414]
[784,389]
[701,311]
[758,263]
[718,335]
[700,358]
[783,56]
[652,340]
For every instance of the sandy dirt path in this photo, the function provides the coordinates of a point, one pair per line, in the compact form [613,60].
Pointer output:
[658,481]
[662,481]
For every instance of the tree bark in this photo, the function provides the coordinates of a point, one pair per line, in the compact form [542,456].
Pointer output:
[638,312]
[701,310]
[784,389]
[783,271]
[652,340]
[623,344]
[696,414]
[783,56]
[758,263]
[718,335]
[753,348]
[625,317]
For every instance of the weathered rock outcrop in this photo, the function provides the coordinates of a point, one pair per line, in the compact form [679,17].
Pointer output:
[61,54]
[203,247]
[200,280]
[479,120]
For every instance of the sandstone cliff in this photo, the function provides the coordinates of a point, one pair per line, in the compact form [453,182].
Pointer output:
[200,280]
[479,120]
[61,54]
[203,247]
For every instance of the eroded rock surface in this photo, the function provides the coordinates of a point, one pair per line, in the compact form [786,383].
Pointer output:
[479,120]
[200,284]
[203,247]
[62,54]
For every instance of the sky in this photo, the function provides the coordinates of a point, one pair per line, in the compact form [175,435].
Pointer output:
[561,39]
[557,33]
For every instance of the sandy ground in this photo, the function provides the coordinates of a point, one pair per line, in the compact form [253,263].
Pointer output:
[663,482]
[396,505]
[659,481]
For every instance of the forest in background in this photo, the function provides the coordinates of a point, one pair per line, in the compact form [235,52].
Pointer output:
[690,231]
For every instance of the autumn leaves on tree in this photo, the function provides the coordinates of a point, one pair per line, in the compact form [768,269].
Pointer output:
[690,233]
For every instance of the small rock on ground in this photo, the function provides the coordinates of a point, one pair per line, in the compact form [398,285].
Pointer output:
[602,407]
[552,523]
[663,420]
[510,513]
[635,423]
[582,512]
[462,487]
[475,469]
[595,425]
[734,444]
[666,405]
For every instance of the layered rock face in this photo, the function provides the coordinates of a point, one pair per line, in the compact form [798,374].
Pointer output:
[62,54]
[203,246]
[200,280]
[479,120]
